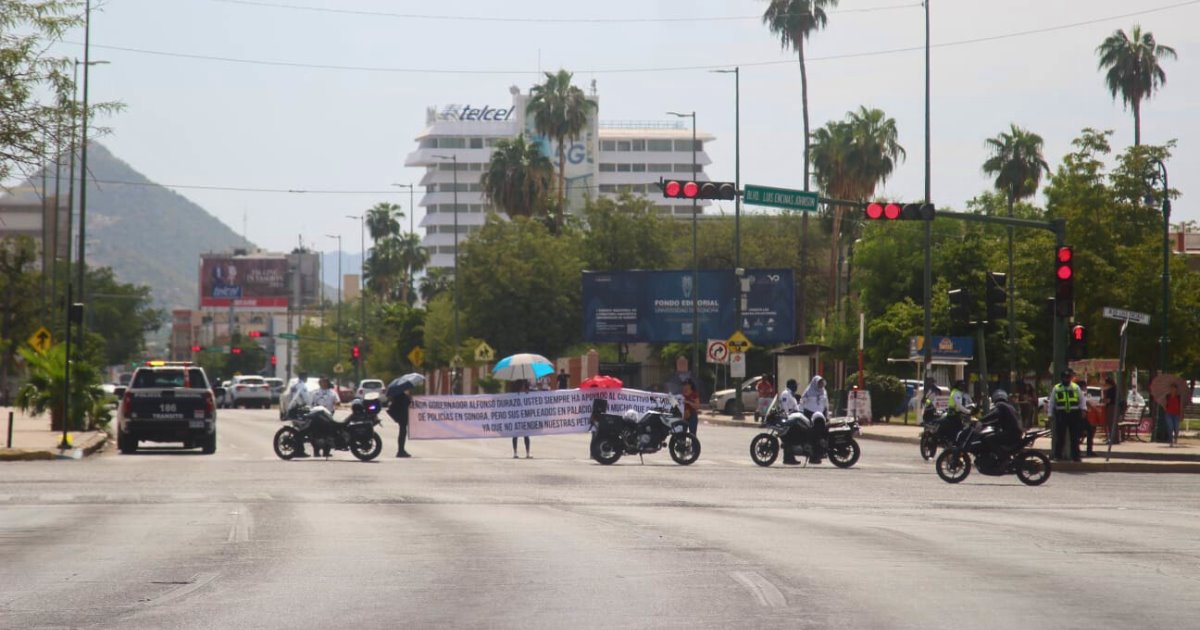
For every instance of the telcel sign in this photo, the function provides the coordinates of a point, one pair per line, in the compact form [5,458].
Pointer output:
[467,112]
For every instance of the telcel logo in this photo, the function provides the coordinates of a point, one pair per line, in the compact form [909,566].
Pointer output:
[466,112]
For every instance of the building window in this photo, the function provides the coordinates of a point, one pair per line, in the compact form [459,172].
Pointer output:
[451,143]
[491,142]
[624,145]
[608,145]
[639,145]
[658,145]
[658,168]
[639,189]
[608,188]
[662,209]
[623,168]
[639,168]
[476,143]
[608,167]
[686,168]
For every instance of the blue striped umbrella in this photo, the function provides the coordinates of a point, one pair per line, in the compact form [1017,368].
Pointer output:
[523,366]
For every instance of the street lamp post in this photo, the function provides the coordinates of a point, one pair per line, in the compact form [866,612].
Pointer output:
[83,157]
[739,411]
[1165,339]
[337,333]
[454,286]
[695,258]
[412,209]
[362,288]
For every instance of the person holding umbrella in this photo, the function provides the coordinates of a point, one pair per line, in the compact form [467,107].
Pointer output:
[1172,411]
[398,404]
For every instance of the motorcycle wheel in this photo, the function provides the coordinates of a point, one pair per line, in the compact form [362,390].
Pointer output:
[953,466]
[764,448]
[1033,468]
[607,451]
[845,455]
[685,449]
[928,446]
[286,443]
[366,449]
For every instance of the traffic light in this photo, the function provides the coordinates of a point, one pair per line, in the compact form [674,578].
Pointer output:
[274,360]
[997,296]
[196,348]
[235,350]
[1078,343]
[960,310]
[1064,282]
[355,353]
[256,334]
[682,189]
[881,211]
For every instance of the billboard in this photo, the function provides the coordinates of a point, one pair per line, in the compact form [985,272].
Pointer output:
[243,281]
[656,306]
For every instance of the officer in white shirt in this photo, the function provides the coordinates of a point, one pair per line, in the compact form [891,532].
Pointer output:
[326,396]
[815,400]
[299,397]
[787,398]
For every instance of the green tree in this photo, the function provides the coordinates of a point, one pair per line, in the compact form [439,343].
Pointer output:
[794,21]
[46,388]
[560,112]
[435,282]
[384,268]
[1016,162]
[383,220]
[625,233]
[121,314]
[1133,70]
[18,301]
[413,257]
[401,328]
[520,287]
[850,159]
[518,178]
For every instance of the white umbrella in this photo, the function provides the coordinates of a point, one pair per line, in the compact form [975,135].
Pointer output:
[407,381]
[526,366]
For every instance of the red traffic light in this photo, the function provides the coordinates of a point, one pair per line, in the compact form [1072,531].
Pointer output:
[1064,272]
[877,210]
[892,211]
[235,350]
[874,211]
[254,333]
[1078,333]
[672,188]
[196,348]
[355,352]
[274,360]
[691,189]
[1065,255]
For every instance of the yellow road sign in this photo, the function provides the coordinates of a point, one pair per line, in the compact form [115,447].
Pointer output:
[484,353]
[738,342]
[416,356]
[41,340]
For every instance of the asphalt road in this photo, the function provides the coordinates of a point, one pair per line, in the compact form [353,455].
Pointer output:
[464,536]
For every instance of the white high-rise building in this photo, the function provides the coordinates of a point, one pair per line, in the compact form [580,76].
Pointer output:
[607,159]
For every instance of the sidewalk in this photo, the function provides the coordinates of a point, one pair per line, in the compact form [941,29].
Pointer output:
[32,439]
[1128,456]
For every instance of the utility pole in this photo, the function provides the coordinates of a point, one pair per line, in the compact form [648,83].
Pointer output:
[928,275]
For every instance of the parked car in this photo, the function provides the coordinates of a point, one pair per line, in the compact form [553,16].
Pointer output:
[249,391]
[276,385]
[723,400]
[312,384]
[225,399]
[368,386]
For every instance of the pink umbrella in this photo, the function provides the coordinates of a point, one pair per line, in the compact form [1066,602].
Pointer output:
[602,382]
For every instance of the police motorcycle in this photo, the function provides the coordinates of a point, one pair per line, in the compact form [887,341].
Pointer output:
[633,434]
[319,428]
[941,430]
[978,440]
[809,436]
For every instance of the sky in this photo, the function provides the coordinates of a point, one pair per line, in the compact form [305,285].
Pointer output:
[223,122]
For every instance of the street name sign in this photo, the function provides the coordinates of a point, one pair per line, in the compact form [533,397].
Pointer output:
[785,198]
[1128,316]
[288,336]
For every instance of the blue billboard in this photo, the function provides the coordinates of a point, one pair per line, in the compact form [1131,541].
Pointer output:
[657,306]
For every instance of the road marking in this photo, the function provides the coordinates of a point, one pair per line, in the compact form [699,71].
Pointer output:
[761,588]
[239,530]
[196,582]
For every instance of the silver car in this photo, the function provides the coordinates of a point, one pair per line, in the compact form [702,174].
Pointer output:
[249,391]
[723,401]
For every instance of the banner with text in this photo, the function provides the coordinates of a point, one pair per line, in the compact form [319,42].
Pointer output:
[511,415]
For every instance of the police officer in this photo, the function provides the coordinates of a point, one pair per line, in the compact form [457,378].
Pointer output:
[299,396]
[929,395]
[787,398]
[1066,412]
[960,401]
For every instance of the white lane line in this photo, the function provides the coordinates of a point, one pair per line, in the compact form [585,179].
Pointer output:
[239,530]
[761,588]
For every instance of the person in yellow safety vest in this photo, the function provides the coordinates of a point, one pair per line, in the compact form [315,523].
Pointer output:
[960,402]
[1067,407]
[929,395]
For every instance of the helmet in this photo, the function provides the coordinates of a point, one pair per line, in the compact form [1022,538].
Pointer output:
[999,395]
[1066,374]
[357,406]
[631,414]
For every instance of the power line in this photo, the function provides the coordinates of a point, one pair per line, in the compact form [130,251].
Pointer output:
[534,20]
[871,53]
[292,191]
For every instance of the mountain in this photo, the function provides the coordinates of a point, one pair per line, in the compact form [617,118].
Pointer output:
[148,234]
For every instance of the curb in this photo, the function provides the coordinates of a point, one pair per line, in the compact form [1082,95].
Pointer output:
[1093,465]
[91,445]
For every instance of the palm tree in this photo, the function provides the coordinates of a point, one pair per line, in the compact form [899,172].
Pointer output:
[560,112]
[413,257]
[850,159]
[1133,69]
[437,281]
[518,178]
[1017,163]
[383,220]
[385,265]
[45,390]
[793,21]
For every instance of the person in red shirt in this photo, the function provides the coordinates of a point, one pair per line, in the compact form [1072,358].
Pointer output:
[691,405]
[766,393]
[1172,411]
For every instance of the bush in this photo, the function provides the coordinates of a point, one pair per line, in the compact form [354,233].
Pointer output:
[887,393]
[489,384]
